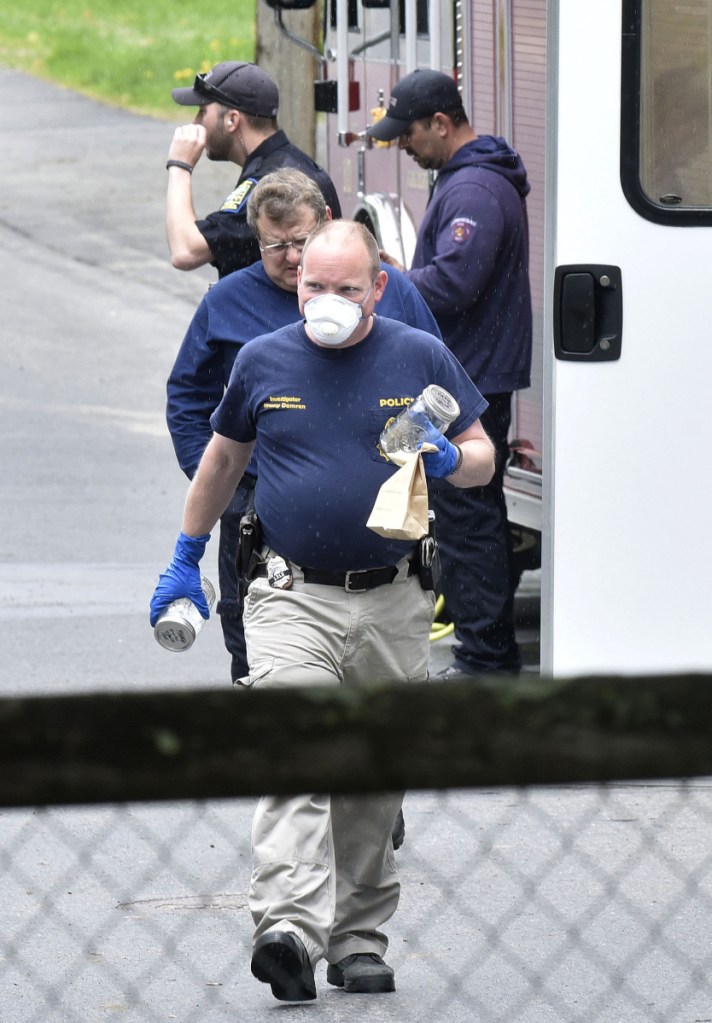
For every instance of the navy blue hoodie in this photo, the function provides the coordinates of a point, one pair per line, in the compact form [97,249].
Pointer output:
[471,263]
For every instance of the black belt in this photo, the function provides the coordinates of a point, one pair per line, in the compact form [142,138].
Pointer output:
[356,582]
[352,582]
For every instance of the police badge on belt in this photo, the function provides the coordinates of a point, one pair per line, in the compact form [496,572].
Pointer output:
[279,573]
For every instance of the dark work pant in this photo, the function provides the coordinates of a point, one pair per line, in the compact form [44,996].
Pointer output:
[229,605]
[476,553]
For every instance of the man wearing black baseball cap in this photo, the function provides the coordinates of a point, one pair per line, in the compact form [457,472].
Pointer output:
[418,95]
[236,120]
[471,267]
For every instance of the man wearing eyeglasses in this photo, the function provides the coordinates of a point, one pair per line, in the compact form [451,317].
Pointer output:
[284,208]
[237,121]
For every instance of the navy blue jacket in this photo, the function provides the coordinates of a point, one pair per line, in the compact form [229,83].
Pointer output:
[236,310]
[471,263]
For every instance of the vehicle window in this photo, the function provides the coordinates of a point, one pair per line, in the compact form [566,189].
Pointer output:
[675,152]
[667,109]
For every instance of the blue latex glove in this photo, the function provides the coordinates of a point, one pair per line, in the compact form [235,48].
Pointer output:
[182,577]
[440,463]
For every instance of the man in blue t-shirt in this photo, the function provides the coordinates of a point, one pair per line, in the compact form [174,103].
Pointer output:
[342,605]
[283,209]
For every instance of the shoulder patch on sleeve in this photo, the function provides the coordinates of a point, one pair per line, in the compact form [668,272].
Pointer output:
[237,199]
[462,228]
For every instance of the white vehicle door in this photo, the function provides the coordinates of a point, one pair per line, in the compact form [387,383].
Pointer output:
[627,565]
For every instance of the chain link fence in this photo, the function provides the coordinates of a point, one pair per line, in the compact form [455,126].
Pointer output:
[561,903]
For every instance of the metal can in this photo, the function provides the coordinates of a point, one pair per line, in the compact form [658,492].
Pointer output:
[181,622]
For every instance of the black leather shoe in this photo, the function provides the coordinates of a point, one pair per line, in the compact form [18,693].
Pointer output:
[398,832]
[280,959]
[362,973]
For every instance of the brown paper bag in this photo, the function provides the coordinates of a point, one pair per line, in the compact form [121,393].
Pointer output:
[400,511]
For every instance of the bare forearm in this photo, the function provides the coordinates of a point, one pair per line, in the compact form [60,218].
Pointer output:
[477,466]
[213,485]
[187,245]
[189,248]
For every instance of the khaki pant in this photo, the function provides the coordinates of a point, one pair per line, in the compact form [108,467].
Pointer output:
[323,866]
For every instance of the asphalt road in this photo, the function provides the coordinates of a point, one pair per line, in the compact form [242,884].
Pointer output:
[93,315]
[533,907]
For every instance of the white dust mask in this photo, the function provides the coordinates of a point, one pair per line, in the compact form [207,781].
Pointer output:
[331,318]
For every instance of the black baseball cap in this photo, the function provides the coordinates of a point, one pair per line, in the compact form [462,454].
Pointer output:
[420,94]
[235,84]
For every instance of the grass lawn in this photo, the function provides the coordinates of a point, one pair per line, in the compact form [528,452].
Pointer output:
[129,53]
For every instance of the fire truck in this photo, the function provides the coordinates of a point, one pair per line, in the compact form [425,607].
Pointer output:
[610,105]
